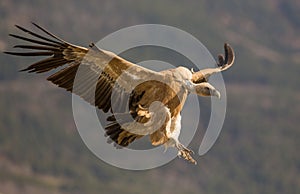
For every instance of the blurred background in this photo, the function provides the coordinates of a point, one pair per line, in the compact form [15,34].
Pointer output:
[42,152]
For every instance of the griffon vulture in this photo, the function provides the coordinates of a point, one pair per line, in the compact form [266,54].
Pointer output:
[154,100]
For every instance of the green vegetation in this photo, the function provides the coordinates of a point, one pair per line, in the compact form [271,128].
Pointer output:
[257,151]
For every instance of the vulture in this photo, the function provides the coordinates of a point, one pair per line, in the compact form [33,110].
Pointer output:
[140,102]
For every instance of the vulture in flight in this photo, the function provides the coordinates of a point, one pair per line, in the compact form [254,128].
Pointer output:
[140,101]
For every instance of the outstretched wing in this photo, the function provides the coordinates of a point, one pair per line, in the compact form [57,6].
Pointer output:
[100,77]
[223,64]
[97,74]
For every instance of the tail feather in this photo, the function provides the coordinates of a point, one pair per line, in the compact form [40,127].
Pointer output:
[116,133]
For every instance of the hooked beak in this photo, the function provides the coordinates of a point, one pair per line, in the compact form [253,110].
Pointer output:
[216,93]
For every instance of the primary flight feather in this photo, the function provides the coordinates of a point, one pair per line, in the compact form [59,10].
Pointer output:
[141,101]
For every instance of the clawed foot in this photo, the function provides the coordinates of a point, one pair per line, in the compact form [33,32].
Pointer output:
[185,153]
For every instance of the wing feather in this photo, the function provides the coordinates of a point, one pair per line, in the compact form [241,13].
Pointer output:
[100,70]
[223,64]
[100,77]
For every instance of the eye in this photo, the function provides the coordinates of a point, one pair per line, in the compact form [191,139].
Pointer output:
[206,88]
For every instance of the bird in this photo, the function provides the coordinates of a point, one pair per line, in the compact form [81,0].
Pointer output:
[140,102]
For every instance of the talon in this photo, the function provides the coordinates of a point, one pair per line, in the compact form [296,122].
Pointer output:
[185,153]
[191,151]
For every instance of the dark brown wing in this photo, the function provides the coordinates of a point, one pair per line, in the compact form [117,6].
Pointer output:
[98,76]
[90,73]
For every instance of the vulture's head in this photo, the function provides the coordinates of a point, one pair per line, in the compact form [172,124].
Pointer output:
[206,89]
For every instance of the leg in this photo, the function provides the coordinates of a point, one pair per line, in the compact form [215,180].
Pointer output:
[173,135]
